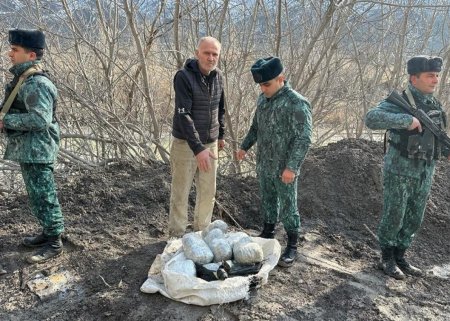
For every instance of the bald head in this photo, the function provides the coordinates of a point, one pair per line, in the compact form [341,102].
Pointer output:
[207,53]
[209,39]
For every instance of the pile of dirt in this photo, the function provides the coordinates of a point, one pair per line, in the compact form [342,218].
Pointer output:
[116,222]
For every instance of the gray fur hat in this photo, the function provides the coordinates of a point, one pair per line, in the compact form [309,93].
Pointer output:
[420,64]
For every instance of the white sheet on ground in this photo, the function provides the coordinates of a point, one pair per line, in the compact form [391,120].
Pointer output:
[163,277]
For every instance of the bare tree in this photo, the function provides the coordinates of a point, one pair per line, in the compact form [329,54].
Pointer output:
[114,61]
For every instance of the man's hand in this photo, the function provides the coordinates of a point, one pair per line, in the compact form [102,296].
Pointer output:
[221,144]
[288,176]
[415,124]
[240,154]
[204,161]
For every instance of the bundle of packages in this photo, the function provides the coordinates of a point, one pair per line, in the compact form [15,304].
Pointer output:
[226,247]
[185,270]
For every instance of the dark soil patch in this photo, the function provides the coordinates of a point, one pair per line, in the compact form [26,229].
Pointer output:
[116,220]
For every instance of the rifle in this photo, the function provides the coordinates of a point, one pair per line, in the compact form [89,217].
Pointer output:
[396,99]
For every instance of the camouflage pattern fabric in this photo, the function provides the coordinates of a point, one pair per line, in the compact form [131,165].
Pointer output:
[42,196]
[405,199]
[32,135]
[281,128]
[406,182]
[33,140]
[279,202]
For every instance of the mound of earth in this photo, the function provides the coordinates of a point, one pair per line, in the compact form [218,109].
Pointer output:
[116,220]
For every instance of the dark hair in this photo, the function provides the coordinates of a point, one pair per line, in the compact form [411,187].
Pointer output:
[39,52]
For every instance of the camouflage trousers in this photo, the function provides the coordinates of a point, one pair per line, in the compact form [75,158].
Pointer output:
[279,202]
[405,199]
[41,189]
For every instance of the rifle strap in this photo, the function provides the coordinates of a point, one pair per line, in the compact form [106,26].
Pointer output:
[37,68]
[410,98]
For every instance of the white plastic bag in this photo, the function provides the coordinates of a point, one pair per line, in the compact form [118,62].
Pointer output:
[196,249]
[221,250]
[212,235]
[246,251]
[221,225]
[233,237]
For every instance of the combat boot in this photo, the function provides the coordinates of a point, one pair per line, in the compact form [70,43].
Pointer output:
[35,241]
[53,248]
[406,268]
[268,231]
[388,264]
[290,253]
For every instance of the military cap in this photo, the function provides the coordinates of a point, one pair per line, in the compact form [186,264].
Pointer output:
[266,69]
[420,64]
[27,38]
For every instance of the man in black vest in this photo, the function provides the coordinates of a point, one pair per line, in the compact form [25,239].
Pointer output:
[408,171]
[198,131]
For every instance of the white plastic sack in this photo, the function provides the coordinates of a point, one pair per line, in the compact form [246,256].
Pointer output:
[185,267]
[192,290]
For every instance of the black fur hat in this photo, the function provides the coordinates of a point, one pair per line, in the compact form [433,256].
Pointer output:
[27,38]
[266,69]
[420,64]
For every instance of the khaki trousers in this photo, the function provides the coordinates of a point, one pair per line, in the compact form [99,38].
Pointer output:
[184,170]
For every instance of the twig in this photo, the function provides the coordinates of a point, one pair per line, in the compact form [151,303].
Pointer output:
[106,283]
[370,231]
[220,206]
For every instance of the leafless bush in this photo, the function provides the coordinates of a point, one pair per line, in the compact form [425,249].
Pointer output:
[114,61]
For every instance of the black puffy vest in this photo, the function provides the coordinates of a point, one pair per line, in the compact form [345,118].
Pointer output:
[205,105]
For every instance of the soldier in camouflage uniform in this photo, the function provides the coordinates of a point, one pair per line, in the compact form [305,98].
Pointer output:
[33,139]
[281,128]
[408,164]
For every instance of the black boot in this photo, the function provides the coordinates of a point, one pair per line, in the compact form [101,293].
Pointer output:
[290,253]
[268,231]
[406,268]
[53,247]
[35,241]
[388,264]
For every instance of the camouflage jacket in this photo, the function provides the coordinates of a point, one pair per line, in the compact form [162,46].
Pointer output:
[32,134]
[281,127]
[389,116]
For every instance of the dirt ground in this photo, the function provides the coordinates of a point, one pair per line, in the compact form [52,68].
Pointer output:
[116,222]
